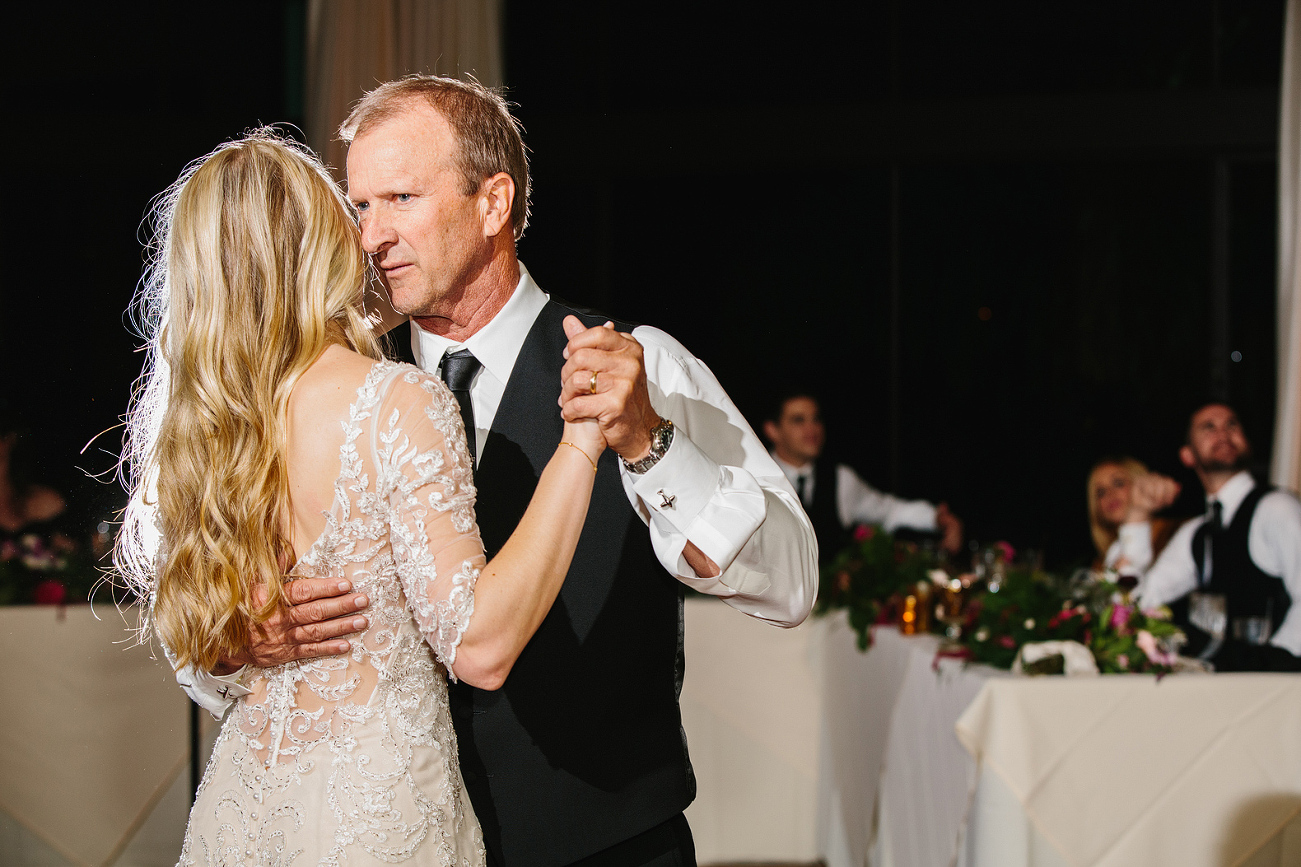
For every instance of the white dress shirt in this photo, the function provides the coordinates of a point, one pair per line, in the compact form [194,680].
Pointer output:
[1273,542]
[857,502]
[716,486]
[1133,545]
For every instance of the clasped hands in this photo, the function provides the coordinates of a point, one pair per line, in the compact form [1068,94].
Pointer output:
[616,413]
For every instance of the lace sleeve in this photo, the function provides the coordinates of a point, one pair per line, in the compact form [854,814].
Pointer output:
[425,474]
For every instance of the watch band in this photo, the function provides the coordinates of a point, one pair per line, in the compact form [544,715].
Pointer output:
[661,438]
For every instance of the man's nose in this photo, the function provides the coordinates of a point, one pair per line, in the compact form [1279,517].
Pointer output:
[376,234]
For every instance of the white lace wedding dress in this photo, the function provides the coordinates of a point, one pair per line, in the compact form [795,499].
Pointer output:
[351,759]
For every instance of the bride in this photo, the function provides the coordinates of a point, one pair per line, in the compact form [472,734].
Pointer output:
[268,438]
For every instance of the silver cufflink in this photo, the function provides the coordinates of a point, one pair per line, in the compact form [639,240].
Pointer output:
[667,500]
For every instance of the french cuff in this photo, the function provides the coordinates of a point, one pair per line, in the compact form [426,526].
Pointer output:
[214,693]
[692,498]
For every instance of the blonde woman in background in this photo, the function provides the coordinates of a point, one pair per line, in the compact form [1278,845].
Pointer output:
[269,439]
[1123,496]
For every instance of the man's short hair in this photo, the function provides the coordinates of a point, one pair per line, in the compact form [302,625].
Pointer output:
[488,135]
[1188,428]
[776,404]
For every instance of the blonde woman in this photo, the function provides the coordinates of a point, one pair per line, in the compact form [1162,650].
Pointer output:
[1123,496]
[269,439]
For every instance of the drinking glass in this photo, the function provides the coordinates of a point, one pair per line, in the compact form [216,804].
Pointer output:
[1253,630]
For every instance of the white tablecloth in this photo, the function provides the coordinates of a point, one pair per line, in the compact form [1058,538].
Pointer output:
[1189,770]
[793,730]
[788,734]
[93,743]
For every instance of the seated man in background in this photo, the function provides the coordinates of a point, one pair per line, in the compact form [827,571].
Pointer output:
[1246,548]
[833,494]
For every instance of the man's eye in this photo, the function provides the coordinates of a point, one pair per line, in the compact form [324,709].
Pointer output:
[404,197]
[360,206]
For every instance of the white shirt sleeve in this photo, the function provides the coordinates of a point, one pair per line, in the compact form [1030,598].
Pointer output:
[1174,573]
[1274,543]
[718,487]
[1133,545]
[859,503]
[213,693]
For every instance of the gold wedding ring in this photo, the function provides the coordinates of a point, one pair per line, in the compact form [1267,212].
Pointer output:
[591,385]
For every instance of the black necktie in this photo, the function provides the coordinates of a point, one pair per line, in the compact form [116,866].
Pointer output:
[801,486]
[459,369]
[1215,523]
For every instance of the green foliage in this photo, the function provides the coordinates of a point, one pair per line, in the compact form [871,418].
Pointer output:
[1028,606]
[869,577]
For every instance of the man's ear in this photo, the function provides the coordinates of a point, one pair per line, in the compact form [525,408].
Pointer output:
[770,431]
[1186,455]
[498,197]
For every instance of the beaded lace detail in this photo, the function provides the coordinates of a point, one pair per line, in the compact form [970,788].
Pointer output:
[352,759]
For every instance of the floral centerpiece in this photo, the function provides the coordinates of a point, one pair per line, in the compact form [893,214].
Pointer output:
[41,570]
[1031,608]
[1006,609]
[870,577]
[1028,606]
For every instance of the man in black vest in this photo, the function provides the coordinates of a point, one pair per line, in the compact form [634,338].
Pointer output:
[1246,549]
[835,497]
[574,751]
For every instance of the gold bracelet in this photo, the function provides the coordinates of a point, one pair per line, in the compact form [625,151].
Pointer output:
[581,452]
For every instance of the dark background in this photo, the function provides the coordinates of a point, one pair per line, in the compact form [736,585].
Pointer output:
[1000,239]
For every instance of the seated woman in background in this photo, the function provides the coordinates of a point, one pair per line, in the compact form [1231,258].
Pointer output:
[1123,497]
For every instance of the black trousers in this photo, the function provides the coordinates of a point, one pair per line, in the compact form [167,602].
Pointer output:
[668,844]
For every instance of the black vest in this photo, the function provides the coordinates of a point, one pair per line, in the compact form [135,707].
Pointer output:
[824,514]
[1248,591]
[583,747]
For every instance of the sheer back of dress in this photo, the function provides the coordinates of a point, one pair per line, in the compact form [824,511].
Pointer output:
[352,758]
[401,529]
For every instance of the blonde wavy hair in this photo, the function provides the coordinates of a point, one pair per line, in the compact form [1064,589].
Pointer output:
[1104,534]
[256,266]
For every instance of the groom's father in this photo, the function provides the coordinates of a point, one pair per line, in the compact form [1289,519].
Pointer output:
[578,755]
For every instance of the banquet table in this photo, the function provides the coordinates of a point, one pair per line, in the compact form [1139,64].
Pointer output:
[807,749]
[94,742]
[804,749]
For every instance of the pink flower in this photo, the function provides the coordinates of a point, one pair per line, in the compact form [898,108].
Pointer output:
[863,532]
[50,593]
[1122,660]
[1005,550]
[1062,616]
[1120,617]
[1006,641]
[1146,642]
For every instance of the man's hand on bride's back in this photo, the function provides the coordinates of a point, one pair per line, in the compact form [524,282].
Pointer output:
[323,610]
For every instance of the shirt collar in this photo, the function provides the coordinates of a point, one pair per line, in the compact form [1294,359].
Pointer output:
[497,344]
[1231,495]
[793,472]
